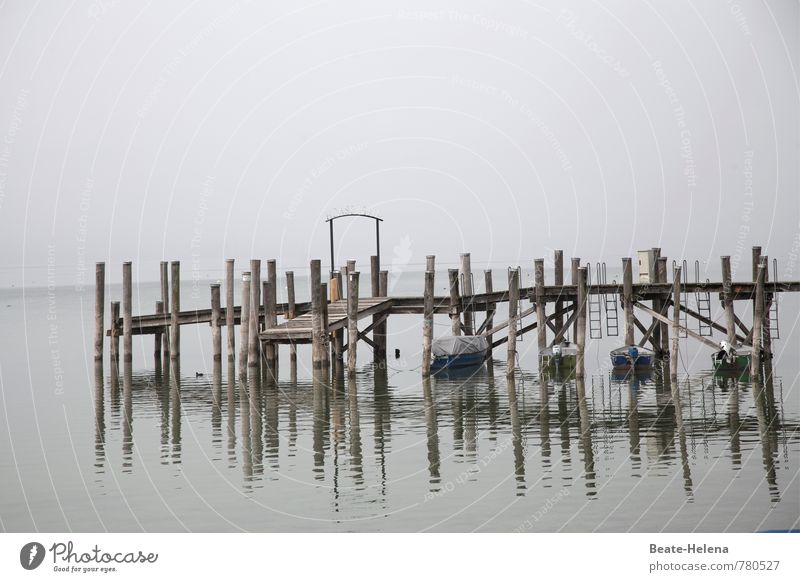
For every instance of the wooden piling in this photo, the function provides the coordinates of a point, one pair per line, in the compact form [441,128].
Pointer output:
[455,318]
[430,263]
[676,322]
[558,275]
[380,330]
[325,335]
[317,344]
[216,330]
[230,315]
[427,322]
[158,337]
[541,312]
[164,280]
[727,300]
[253,345]
[465,274]
[375,290]
[175,308]
[127,314]
[513,305]
[768,299]
[758,321]
[580,332]
[270,317]
[99,310]
[292,310]
[575,265]
[352,323]
[661,271]
[490,311]
[244,326]
[114,347]
[627,299]
[656,303]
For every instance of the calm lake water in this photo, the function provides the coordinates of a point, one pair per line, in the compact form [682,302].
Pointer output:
[87,449]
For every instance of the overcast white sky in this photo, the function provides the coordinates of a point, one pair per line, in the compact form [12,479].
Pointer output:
[212,129]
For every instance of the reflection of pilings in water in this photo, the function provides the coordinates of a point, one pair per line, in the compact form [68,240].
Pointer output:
[544,423]
[383,427]
[127,418]
[175,412]
[470,422]
[99,417]
[272,435]
[337,428]
[516,436]
[457,405]
[766,429]
[163,393]
[494,403]
[356,451]
[293,408]
[586,437]
[216,405]
[320,423]
[231,410]
[564,415]
[678,410]
[432,433]
[113,380]
[633,426]
[662,435]
[734,421]
[244,415]
[256,424]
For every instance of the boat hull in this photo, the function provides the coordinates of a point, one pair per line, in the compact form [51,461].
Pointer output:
[740,363]
[621,358]
[458,361]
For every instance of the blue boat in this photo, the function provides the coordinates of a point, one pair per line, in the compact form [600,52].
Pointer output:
[632,357]
[462,351]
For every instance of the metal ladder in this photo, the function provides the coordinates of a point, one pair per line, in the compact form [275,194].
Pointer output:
[595,313]
[772,316]
[610,306]
[703,300]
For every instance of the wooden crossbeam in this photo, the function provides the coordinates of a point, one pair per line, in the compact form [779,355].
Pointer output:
[710,322]
[689,332]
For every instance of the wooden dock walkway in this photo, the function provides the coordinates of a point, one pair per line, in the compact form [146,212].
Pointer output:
[299,329]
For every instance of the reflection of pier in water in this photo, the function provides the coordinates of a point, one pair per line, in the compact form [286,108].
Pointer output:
[533,430]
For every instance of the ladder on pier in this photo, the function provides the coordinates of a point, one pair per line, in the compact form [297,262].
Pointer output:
[610,305]
[703,301]
[595,312]
[773,327]
[683,315]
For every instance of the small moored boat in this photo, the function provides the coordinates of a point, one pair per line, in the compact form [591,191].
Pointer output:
[632,357]
[732,359]
[459,351]
[559,355]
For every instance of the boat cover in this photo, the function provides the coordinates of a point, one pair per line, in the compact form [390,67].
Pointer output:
[458,345]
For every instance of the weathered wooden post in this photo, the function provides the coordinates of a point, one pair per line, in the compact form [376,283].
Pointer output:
[114,349]
[758,321]
[490,310]
[558,276]
[430,263]
[127,306]
[580,332]
[465,273]
[727,300]
[455,318]
[513,307]
[270,319]
[657,302]
[676,322]
[661,270]
[766,331]
[292,310]
[427,322]
[575,265]
[375,289]
[253,345]
[244,324]
[352,322]
[216,331]
[164,280]
[99,310]
[326,351]
[382,328]
[175,306]
[158,337]
[541,313]
[230,314]
[627,299]
[317,345]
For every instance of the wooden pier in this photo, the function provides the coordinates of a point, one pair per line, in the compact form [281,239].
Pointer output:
[652,306]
